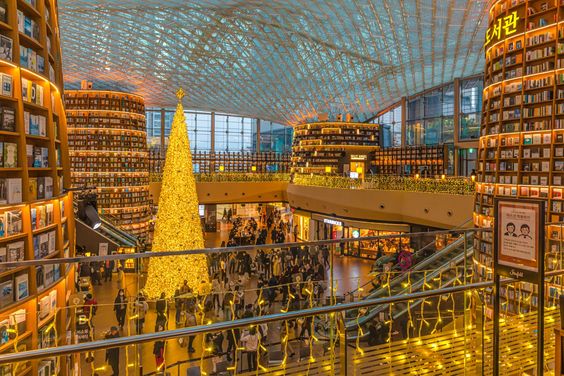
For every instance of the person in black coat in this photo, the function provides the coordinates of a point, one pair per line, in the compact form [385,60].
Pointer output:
[112,354]
[120,307]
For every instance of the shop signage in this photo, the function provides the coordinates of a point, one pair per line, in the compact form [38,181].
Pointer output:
[332,222]
[356,234]
[358,157]
[503,27]
[519,234]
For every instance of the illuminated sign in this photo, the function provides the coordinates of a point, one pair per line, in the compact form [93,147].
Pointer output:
[356,234]
[503,27]
[358,157]
[332,222]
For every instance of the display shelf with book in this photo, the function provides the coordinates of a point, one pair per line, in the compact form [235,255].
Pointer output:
[206,162]
[521,148]
[108,150]
[326,147]
[34,170]
[422,159]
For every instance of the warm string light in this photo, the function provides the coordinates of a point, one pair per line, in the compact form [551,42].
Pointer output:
[178,225]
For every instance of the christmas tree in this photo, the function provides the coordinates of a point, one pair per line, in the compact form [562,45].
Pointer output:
[178,225]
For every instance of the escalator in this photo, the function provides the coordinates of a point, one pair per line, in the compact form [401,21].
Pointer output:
[107,233]
[443,269]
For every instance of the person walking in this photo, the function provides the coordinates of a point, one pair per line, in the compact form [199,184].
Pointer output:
[120,308]
[140,309]
[158,351]
[162,311]
[120,278]
[251,341]
[112,354]
[190,321]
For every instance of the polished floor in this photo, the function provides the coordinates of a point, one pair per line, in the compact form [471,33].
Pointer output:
[348,271]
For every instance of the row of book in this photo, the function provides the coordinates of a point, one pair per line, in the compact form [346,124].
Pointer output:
[11,223]
[35,125]
[44,244]
[37,156]
[10,191]
[42,216]
[32,92]
[116,121]
[45,276]
[96,101]
[31,60]
[14,289]
[28,26]
[40,188]
[9,155]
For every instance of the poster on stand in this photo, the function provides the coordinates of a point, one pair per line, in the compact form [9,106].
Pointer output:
[519,239]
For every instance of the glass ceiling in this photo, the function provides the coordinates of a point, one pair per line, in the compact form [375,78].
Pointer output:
[277,60]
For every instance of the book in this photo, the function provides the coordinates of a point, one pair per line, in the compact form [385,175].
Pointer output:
[52,242]
[33,218]
[49,215]
[13,222]
[43,245]
[48,270]
[40,188]
[24,62]
[3,192]
[7,82]
[6,48]
[32,190]
[8,119]
[16,251]
[44,307]
[22,287]
[40,277]
[10,155]
[44,157]
[41,217]
[48,187]
[14,190]
[3,11]
[6,293]
[37,157]
[3,257]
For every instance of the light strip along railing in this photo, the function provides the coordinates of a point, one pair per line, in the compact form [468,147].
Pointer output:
[227,325]
[234,324]
[130,256]
[450,185]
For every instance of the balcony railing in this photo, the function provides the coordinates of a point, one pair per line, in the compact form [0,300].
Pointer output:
[449,185]
[232,177]
[433,320]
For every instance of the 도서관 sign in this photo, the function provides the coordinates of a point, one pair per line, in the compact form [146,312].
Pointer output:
[519,235]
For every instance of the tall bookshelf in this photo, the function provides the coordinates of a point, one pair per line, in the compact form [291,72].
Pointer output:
[108,150]
[521,146]
[325,146]
[36,216]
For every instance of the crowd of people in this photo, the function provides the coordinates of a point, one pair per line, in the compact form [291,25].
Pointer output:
[241,284]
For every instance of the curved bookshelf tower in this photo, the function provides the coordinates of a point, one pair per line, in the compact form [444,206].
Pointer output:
[521,147]
[324,147]
[36,216]
[108,150]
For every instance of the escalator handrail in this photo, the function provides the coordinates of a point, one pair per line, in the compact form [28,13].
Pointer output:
[372,312]
[419,266]
[419,252]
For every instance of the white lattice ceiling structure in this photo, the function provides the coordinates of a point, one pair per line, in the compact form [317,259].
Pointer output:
[278,60]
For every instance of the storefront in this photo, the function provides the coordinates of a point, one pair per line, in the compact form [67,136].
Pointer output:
[338,228]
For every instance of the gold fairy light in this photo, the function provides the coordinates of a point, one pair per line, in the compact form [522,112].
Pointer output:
[178,224]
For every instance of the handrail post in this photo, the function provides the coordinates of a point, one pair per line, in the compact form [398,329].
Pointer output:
[343,351]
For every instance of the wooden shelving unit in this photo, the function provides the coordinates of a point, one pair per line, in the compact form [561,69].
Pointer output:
[325,147]
[108,150]
[521,148]
[411,160]
[36,214]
